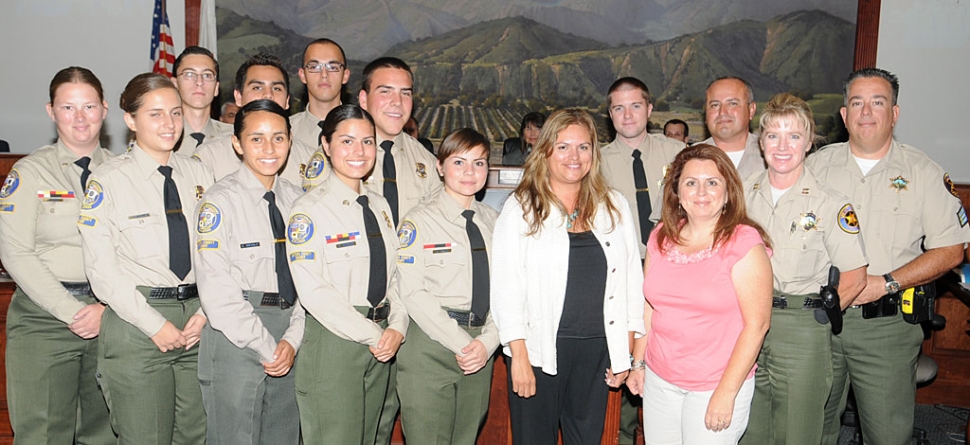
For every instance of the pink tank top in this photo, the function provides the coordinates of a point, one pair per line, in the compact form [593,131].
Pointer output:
[697,318]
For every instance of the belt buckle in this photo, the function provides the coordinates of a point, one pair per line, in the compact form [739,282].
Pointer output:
[373,311]
[181,291]
[781,302]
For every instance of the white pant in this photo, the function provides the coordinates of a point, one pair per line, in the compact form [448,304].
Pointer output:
[672,415]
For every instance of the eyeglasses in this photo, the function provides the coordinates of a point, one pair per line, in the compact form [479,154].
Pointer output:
[191,76]
[331,67]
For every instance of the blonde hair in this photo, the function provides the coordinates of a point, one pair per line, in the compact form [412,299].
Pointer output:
[786,106]
[535,193]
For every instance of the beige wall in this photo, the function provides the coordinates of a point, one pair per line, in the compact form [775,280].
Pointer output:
[39,37]
[926,43]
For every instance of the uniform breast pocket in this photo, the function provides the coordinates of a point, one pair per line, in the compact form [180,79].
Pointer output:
[145,233]
[344,253]
[447,265]
[57,220]
[896,218]
[802,253]
[253,254]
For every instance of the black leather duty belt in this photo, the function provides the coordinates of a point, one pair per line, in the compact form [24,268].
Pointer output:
[82,289]
[781,302]
[466,319]
[379,313]
[180,293]
[266,299]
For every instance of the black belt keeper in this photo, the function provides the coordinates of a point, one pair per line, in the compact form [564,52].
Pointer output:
[181,293]
[811,301]
[82,289]
[379,313]
[466,319]
[267,299]
[887,306]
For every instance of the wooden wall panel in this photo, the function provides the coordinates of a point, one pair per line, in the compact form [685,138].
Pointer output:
[867,34]
[192,12]
[950,348]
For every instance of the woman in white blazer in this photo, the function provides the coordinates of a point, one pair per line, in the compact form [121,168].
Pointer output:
[565,287]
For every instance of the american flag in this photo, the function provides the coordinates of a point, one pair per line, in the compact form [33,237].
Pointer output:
[163,52]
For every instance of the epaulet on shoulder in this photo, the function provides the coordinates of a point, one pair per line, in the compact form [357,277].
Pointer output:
[227,183]
[41,151]
[33,159]
[315,194]
[115,163]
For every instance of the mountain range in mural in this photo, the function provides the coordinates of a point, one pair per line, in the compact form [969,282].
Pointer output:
[495,71]
[368,28]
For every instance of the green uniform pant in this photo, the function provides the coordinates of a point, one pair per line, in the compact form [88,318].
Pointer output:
[629,416]
[439,403]
[154,396]
[264,408]
[52,387]
[392,405]
[340,388]
[878,358]
[792,381]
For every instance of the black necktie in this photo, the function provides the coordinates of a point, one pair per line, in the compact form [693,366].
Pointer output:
[377,278]
[284,280]
[199,137]
[390,178]
[84,162]
[643,197]
[178,231]
[320,138]
[480,285]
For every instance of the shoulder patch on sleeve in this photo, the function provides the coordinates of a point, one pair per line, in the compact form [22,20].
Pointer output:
[848,221]
[962,216]
[948,183]
[10,184]
[300,229]
[302,256]
[86,221]
[207,244]
[93,195]
[318,163]
[407,234]
[209,218]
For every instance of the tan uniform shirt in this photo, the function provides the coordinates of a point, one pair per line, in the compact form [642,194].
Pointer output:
[236,251]
[435,268]
[752,162]
[40,245]
[213,129]
[812,227]
[657,152]
[223,160]
[124,231]
[306,129]
[906,202]
[330,260]
[416,174]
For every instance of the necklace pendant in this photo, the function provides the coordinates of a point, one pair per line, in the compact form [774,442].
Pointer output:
[570,218]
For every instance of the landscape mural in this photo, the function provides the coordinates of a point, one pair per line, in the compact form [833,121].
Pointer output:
[485,64]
